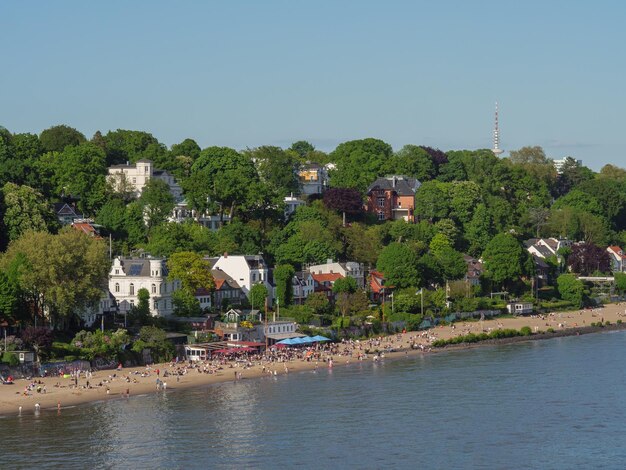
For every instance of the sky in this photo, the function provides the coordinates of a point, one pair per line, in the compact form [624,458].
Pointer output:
[269,72]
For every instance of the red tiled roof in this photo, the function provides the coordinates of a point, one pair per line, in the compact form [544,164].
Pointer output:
[376,282]
[86,228]
[330,277]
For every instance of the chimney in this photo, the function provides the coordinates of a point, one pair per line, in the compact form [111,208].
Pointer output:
[394,181]
[226,254]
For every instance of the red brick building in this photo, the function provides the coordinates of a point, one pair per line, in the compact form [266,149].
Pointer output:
[392,198]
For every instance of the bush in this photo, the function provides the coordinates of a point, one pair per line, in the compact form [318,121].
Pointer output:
[551,330]
[525,331]
[619,322]
[11,359]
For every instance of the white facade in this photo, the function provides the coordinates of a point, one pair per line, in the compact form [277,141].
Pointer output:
[618,260]
[137,176]
[303,286]
[129,275]
[351,268]
[291,204]
[558,164]
[245,270]
[313,179]
[182,213]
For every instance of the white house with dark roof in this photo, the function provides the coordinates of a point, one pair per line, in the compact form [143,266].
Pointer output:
[128,275]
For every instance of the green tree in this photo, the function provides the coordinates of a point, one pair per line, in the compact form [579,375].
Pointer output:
[193,271]
[504,259]
[431,201]
[478,231]
[66,272]
[188,148]
[571,289]
[283,276]
[345,285]
[170,237]
[25,209]
[125,145]
[620,282]
[258,295]
[9,298]
[302,148]
[412,161]
[277,169]
[318,302]
[80,171]
[56,138]
[157,202]
[220,180]
[186,304]
[452,264]
[399,264]
[359,163]
[155,339]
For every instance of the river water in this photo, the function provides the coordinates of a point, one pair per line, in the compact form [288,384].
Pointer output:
[553,404]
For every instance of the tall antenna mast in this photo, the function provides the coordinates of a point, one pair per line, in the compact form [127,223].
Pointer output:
[496,136]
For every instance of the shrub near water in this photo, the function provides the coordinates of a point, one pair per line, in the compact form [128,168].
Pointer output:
[475,338]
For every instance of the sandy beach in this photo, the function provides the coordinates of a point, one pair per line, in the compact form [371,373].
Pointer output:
[142,380]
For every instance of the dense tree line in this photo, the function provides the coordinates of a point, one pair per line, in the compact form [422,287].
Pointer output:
[470,202]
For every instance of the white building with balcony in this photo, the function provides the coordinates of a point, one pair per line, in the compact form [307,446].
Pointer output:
[128,275]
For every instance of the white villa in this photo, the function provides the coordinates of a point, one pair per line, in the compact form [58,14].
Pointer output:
[245,270]
[128,275]
[137,175]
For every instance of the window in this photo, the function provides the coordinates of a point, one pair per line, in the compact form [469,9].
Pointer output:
[156,304]
[134,180]
[399,203]
[145,169]
[160,288]
[117,287]
[381,202]
[381,215]
[117,271]
[154,288]
[132,289]
[253,277]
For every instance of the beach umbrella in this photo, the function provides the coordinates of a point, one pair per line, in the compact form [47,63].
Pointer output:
[286,341]
[318,338]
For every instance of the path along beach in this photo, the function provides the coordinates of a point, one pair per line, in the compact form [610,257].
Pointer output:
[132,381]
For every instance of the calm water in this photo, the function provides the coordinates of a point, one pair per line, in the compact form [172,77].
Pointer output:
[547,404]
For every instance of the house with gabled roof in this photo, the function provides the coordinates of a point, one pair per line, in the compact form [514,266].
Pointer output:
[392,198]
[87,227]
[66,213]
[618,259]
[245,270]
[345,269]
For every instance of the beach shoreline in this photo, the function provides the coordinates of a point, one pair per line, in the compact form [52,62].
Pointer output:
[59,391]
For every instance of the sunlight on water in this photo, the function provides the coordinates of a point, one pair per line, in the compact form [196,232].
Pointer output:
[545,404]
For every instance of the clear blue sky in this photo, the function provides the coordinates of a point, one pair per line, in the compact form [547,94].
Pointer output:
[249,73]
